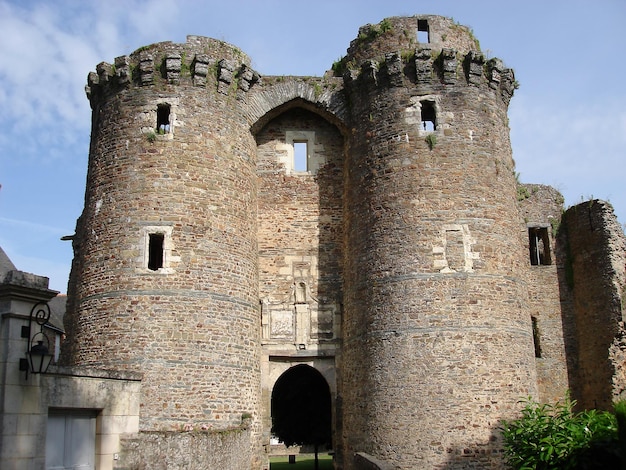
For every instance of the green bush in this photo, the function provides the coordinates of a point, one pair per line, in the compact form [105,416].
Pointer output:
[549,437]
[620,414]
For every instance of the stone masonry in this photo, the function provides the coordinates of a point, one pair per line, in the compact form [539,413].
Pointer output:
[367,224]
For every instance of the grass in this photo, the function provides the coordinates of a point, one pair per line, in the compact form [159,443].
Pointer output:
[303,462]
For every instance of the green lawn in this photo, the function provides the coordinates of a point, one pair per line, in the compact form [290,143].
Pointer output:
[303,462]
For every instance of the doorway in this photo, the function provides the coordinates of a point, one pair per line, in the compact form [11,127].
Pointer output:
[301,409]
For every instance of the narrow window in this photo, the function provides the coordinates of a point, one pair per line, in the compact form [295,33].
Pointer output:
[536,340]
[429,120]
[422,31]
[539,245]
[155,251]
[163,118]
[300,156]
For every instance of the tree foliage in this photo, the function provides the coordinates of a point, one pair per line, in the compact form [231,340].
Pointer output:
[550,437]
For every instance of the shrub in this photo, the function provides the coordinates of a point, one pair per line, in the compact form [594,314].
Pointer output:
[550,437]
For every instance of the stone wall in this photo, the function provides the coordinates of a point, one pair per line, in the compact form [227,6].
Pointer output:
[171,156]
[549,296]
[437,338]
[597,264]
[191,450]
[300,230]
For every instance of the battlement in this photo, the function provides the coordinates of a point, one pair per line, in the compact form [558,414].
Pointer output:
[199,62]
[408,33]
[426,66]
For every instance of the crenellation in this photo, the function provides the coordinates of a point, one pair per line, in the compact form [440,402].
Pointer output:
[247,77]
[495,67]
[122,70]
[105,72]
[146,68]
[173,65]
[393,67]
[200,69]
[226,75]
[423,65]
[449,64]
[475,66]
[431,69]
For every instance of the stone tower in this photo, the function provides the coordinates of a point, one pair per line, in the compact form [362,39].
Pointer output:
[207,259]
[165,275]
[437,342]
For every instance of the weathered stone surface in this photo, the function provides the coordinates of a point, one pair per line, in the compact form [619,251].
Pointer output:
[194,449]
[597,279]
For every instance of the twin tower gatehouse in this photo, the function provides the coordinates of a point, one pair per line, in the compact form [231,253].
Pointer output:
[366,225]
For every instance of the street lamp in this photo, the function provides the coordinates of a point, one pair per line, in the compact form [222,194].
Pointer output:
[38,355]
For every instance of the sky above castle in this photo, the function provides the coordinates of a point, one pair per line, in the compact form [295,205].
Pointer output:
[568,118]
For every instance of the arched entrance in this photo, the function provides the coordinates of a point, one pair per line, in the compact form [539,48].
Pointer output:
[301,408]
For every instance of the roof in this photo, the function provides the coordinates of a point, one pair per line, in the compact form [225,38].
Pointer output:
[6,264]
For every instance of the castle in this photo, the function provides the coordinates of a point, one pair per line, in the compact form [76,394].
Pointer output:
[366,225]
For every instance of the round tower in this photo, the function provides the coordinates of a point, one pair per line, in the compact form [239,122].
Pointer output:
[165,274]
[437,342]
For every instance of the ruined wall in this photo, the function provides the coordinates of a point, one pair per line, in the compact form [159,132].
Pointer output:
[597,264]
[437,339]
[548,294]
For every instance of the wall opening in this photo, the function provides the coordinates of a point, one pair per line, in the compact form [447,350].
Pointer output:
[428,115]
[536,338]
[163,118]
[539,245]
[301,155]
[155,251]
[423,34]
[301,408]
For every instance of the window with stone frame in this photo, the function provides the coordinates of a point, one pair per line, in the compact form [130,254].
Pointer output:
[539,246]
[156,251]
[163,118]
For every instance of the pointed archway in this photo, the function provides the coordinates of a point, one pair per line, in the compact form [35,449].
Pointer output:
[301,408]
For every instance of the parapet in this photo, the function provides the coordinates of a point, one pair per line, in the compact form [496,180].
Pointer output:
[197,62]
[428,50]
[406,33]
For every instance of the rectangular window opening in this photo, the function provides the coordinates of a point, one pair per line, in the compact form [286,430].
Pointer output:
[539,245]
[536,339]
[300,156]
[155,251]
[428,116]
[163,118]
[423,35]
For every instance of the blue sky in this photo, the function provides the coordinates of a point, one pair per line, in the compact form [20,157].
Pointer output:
[568,118]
